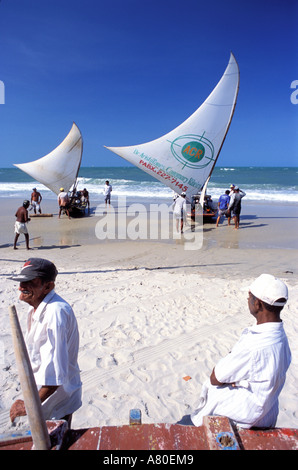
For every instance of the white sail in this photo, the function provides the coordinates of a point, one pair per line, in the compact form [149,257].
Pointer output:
[58,169]
[184,158]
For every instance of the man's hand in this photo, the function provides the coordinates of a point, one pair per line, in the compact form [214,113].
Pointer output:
[17,409]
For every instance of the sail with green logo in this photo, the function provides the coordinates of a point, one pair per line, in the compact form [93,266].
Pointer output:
[184,158]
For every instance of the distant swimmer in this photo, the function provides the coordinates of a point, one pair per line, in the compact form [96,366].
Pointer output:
[107,192]
[36,199]
[21,224]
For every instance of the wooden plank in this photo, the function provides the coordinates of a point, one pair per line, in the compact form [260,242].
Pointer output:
[271,439]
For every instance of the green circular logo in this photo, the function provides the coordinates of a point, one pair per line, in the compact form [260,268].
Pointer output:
[193,151]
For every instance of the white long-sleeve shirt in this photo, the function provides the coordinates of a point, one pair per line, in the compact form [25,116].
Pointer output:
[52,341]
[179,207]
[258,364]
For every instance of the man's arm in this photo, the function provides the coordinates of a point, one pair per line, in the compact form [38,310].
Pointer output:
[213,379]
[18,408]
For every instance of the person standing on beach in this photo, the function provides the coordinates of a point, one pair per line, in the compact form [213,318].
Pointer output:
[36,199]
[235,205]
[52,341]
[223,204]
[245,385]
[63,201]
[21,224]
[85,198]
[180,211]
[107,192]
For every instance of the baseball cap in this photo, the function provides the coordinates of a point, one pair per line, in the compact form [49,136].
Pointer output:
[269,289]
[36,267]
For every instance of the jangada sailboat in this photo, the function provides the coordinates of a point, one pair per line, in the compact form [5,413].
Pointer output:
[60,168]
[184,158]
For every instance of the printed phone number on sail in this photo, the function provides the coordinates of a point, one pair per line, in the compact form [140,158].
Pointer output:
[164,175]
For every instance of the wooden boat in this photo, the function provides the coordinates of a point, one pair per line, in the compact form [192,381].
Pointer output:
[216,433]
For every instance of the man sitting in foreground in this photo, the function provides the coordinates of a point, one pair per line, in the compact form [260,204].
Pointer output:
[245,385]
[52,341]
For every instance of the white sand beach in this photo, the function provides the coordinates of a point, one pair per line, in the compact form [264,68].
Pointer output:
[151,312]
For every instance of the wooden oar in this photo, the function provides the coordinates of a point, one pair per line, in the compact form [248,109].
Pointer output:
[40,435]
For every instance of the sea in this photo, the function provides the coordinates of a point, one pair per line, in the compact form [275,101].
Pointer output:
[265,184]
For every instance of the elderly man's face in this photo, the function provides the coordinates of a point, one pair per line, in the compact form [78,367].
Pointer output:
[34,291]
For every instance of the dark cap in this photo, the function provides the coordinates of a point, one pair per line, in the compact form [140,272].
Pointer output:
[36,267]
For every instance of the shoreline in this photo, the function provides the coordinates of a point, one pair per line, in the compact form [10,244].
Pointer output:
[261,226]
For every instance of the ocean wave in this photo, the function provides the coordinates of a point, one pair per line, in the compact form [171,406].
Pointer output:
[149,190]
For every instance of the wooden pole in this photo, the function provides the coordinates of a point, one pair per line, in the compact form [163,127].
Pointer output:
[40,435]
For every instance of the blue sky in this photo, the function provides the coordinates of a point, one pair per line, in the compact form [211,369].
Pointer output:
[129,71]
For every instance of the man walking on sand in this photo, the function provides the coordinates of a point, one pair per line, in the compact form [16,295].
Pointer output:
[245,385]
[21,224]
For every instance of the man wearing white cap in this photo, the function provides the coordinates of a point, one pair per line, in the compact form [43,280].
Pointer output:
[245,385]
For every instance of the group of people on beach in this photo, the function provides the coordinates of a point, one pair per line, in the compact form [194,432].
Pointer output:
[244,386]
[64,201]
[229,205]
[22,214]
